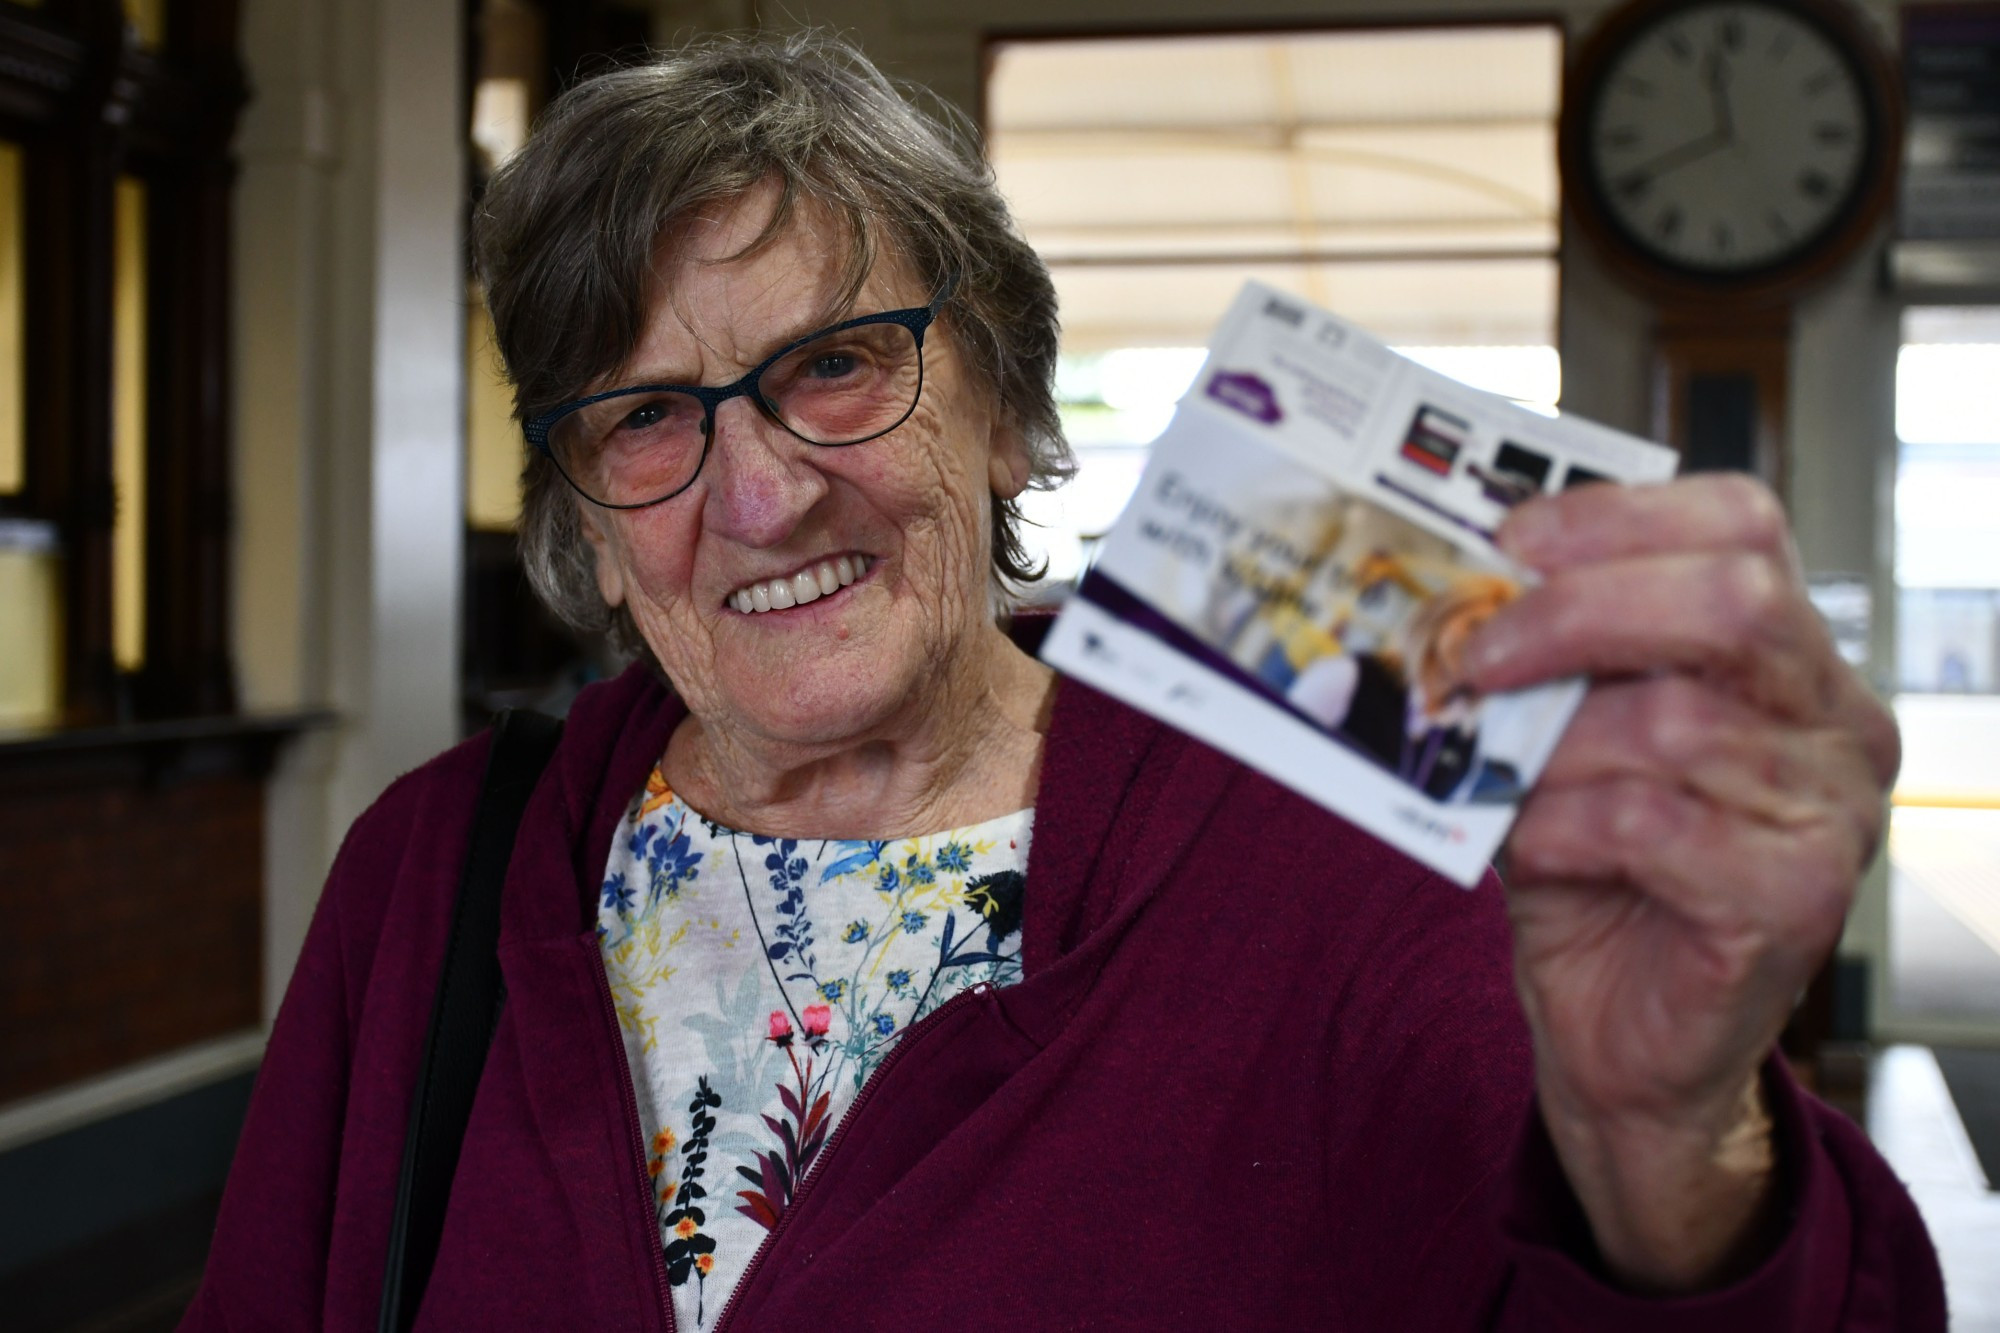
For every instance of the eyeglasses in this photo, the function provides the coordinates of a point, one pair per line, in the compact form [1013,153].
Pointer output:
[853,382]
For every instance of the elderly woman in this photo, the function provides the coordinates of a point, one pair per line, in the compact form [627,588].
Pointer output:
[861,974]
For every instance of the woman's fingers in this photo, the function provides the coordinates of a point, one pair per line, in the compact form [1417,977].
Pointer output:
[1681,731]
[1751,886]
[1717,511]
[1697,576]
[1734,619]
[1730,615]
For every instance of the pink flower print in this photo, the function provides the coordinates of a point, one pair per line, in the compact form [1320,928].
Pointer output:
[818,1018]
[781,1026]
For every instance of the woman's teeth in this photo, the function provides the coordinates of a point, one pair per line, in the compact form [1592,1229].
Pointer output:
[808,585]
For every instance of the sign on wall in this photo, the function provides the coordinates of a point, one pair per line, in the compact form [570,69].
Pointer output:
[1951,169]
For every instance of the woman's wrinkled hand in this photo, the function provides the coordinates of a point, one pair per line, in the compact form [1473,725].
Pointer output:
[1689,855]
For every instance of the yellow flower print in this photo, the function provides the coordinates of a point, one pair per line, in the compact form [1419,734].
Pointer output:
[684,1228]
[705,1264]
[664,1141]
[658,793]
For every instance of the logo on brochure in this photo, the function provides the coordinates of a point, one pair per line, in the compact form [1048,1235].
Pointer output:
[1248,394]
[1284,312]
[1437,830]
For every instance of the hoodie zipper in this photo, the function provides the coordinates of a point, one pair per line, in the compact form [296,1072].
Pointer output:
[635,1136]
[867,1090]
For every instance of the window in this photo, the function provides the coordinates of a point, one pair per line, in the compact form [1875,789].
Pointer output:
[115,190]
[508,88]
[1403,177]
[1948,503]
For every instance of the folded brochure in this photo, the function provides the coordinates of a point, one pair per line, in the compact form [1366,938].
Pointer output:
[1307,554]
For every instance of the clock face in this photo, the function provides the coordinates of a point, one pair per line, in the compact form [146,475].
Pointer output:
[1728,138]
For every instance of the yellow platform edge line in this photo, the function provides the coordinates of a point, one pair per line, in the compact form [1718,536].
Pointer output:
[1945,800]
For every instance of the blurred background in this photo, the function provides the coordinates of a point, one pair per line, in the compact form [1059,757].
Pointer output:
[258,470]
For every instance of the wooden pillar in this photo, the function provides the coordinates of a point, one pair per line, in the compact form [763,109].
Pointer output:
[189,524]
[71,173]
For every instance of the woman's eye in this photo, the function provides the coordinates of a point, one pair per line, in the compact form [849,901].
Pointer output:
[832,365]
[653,419]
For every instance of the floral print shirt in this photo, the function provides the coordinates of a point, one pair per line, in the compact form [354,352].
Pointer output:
[759,981]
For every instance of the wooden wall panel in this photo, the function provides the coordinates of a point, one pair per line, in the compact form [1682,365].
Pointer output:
[130,924]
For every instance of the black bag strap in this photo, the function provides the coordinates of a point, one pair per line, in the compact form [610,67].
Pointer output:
[464,1014]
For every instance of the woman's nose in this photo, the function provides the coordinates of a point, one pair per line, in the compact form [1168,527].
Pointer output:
[761,478]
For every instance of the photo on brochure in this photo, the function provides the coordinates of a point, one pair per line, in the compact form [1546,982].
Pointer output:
[1350,618]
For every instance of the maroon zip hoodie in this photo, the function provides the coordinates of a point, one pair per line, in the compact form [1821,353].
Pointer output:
[1261,1072]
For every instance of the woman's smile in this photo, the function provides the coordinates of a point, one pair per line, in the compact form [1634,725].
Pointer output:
[809,583]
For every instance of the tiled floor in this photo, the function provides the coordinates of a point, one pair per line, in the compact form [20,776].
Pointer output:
[1911,1118]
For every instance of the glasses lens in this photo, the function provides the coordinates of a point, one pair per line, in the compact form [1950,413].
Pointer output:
[631,449]
[846,386]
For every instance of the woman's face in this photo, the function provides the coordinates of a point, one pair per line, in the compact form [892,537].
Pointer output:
[911,507]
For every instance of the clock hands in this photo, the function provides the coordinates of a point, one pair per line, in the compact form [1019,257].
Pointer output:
[1716,76]
[1692,151]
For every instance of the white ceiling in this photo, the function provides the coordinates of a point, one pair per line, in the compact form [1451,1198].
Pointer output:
[1156,174]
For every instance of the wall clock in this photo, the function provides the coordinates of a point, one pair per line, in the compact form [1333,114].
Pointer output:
[1730,147]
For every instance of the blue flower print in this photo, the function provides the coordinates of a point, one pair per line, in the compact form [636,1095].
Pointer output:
[913,922]
[833,990]
[858,856]
[857,931]
[955,858]
[787,869]
[919,871]
[792,938]
[889,882]
[674,857]
[899,979]
[671,862]
[618,895]
[884,1025]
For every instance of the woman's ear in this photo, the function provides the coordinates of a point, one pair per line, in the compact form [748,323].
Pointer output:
[1007,466]
[604,555]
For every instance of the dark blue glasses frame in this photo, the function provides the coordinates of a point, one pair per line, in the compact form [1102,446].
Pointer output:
[917,320]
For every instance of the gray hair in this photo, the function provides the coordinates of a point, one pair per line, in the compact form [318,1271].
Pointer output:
[568,231]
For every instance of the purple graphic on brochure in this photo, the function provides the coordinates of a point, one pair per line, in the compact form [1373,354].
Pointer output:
[1248,394]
